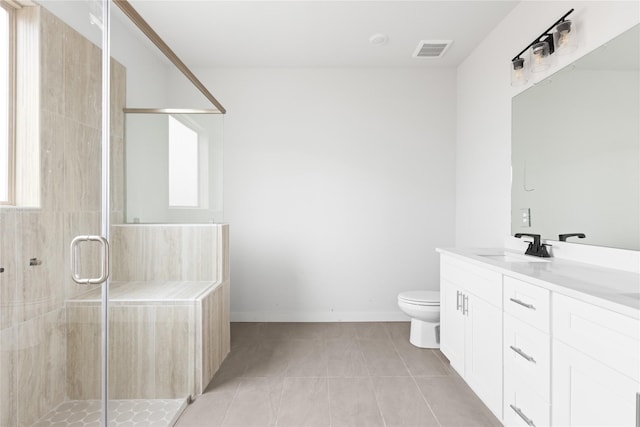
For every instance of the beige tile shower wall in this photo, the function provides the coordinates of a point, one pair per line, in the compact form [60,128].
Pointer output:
[150,356]
[8,377]
[132,352]
[207,356]
[225,324]
[41,365]
[33,331]
[83,352]
[166,252]
[223,249]
[10,310]
[212,320]
[32,366]
[213,344]
[174,349]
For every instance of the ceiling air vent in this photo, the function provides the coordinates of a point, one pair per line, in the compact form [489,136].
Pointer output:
[432,48]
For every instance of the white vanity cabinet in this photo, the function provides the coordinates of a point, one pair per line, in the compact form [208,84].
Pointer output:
[596,366]
[471,324]
[543,344]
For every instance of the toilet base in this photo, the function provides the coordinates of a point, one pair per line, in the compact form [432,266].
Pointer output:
[424,334]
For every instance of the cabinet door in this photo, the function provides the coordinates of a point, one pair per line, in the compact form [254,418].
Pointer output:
[587,393]
[452,325]
[483,347]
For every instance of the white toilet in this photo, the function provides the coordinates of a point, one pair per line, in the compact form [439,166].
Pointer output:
[424,309]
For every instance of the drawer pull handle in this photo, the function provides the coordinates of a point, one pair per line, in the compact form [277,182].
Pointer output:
[465,305]
[523,354]
[637,409]
[458,305]
[524,304]
[522,415]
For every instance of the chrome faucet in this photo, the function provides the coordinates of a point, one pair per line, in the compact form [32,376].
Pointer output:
[535,248]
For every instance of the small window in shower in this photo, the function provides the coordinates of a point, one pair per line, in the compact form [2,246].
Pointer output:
[183,165]
[6,140]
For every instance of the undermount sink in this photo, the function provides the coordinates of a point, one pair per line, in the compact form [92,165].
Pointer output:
[509,257]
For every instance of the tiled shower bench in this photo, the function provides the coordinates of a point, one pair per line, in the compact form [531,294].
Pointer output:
[173,334]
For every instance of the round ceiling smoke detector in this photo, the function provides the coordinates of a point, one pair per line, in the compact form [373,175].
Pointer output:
[378,39]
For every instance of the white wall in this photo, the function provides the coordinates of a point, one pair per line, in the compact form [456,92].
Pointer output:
[483,142]
[339,184]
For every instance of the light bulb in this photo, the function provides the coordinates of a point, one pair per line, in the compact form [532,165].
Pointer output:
[539,57]
[565,38]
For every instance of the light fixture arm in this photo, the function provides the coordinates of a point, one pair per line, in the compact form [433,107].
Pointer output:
[544,36]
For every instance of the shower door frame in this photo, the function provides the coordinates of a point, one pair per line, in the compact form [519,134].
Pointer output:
[106,195]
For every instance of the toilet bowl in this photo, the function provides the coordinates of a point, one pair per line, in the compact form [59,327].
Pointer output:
[424,309]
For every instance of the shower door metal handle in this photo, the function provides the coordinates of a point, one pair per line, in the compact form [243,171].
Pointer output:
[104,270]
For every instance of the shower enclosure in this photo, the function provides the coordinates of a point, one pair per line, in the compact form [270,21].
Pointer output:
[70,354]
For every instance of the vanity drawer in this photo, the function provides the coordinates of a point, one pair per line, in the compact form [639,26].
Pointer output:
[527,302]
[523,406]
[527,356]
[484,283]
[609,337]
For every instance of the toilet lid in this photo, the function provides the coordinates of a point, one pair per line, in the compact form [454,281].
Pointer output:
[421,297]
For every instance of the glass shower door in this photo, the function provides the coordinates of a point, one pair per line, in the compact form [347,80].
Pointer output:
[89,253]
[51,346]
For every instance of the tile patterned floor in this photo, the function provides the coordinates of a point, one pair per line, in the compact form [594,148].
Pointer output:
[123,413]
[333,375]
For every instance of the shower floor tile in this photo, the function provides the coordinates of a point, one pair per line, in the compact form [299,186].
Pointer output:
[122,413]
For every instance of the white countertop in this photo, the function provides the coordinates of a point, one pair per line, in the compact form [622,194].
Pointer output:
[615,290]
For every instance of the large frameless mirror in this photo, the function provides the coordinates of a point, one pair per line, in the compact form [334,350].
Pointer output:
[576,150]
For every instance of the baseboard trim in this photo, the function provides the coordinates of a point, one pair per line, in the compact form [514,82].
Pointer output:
[344,316]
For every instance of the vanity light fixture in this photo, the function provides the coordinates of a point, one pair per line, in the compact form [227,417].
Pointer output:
[559,37]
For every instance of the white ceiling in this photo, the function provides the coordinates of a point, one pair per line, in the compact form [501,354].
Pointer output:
[319,33]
